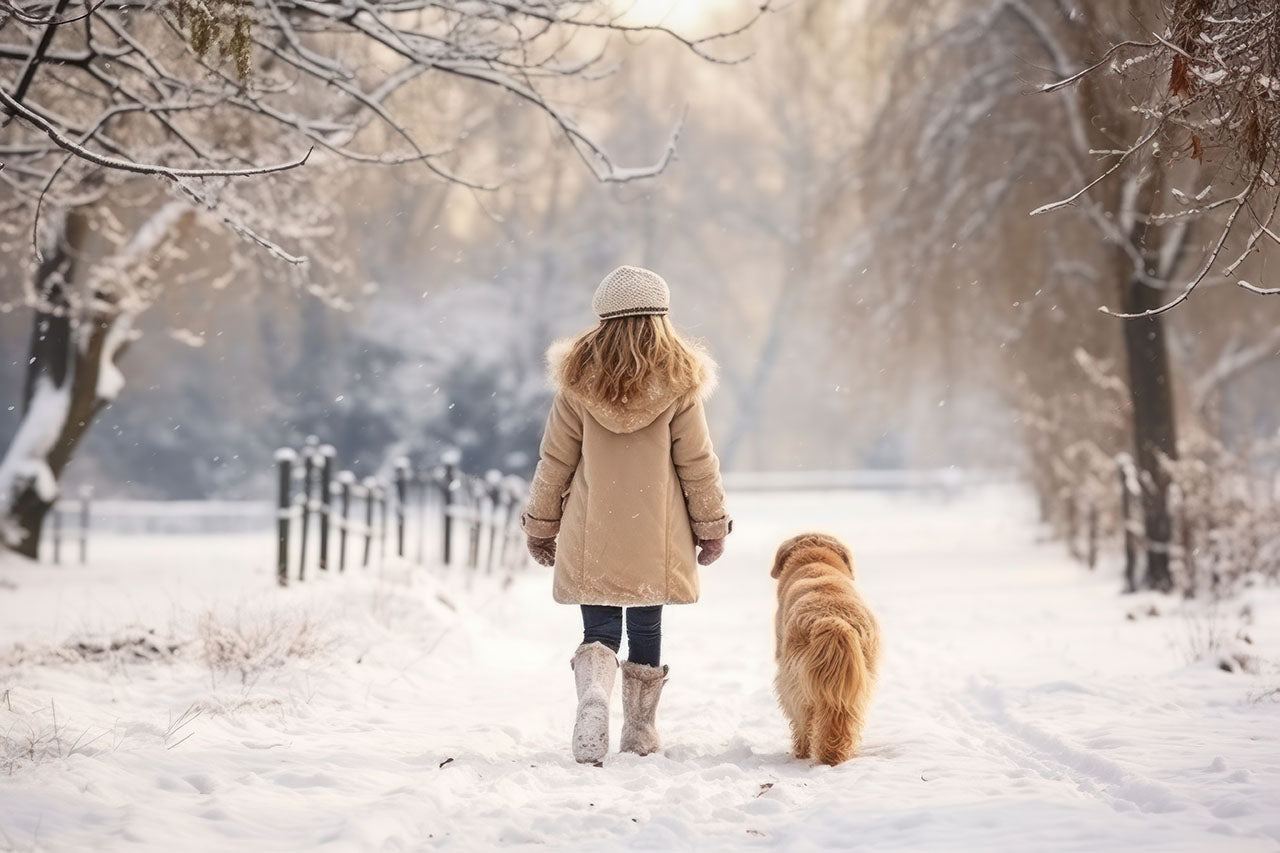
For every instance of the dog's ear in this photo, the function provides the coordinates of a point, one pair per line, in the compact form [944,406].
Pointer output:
[837,547]
[780,558]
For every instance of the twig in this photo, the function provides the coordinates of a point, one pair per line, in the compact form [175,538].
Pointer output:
[135,167]
[1075,78]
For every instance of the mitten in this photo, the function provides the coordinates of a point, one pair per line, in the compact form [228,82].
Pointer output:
[543,551]
[711,549]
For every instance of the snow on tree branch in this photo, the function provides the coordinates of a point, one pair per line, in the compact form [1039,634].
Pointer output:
[1213,78]
[200,89]
[125,165]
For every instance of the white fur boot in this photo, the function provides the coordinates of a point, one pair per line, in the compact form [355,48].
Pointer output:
[595,667]
[641,689]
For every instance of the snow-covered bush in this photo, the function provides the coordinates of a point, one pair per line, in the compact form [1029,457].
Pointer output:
[1223,502]
[1220,633]
[1227,520]
[250,644]
[1073,439]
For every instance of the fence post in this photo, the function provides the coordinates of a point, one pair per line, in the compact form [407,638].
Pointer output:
[464,500]
[1123,463]
[369,484]
[345,481]
[284,464]
[86,496]
[423,481]
[57,534]
[477,495]
[382,524]
[480,490]
[513,486]
[495,493]
[450,458]
[308,487]
[327,454]
[402,497]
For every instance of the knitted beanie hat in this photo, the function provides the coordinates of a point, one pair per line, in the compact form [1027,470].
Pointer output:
[630,292]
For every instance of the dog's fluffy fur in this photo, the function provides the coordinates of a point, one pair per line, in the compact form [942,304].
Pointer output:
[828,648]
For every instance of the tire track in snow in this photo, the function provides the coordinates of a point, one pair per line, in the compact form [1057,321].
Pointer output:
[983,713]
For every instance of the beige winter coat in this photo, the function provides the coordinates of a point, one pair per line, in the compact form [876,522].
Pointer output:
[628,489]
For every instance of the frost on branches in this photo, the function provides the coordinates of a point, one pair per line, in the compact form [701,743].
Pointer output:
[1214,82]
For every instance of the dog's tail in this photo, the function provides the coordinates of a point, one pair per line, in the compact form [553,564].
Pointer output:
[835,667]
[838,681]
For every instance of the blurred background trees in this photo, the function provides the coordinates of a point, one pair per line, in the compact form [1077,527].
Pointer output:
[846,220]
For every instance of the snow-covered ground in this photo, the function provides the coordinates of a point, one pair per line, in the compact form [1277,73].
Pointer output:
[404,708]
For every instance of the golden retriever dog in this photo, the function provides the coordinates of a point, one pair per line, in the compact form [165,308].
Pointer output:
[828,648]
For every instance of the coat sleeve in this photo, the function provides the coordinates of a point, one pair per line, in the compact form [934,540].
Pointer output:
[699,472]
[557,460]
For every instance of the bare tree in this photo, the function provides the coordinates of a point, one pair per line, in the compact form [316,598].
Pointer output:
[1200,86]
[222,101]
[961,151]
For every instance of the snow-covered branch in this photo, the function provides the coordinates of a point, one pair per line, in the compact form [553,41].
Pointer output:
[195,91]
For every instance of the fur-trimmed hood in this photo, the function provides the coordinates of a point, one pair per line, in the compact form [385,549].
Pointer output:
[623,418]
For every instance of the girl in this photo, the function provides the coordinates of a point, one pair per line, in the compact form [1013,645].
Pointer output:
[628,481]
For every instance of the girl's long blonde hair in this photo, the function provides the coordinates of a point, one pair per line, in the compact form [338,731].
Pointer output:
[618,359]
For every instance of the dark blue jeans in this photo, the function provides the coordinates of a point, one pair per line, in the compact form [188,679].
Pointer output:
[603,624]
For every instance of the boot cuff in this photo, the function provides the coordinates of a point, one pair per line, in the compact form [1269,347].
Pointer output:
[594,650]
[644,672]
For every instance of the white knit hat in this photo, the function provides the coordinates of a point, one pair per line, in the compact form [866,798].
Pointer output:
[630,292]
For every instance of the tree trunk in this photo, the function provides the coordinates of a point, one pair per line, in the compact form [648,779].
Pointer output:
[78,333]
[1154,432]
[61,396]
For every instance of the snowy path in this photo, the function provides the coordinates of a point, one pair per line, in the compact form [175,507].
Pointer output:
[1019,710]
